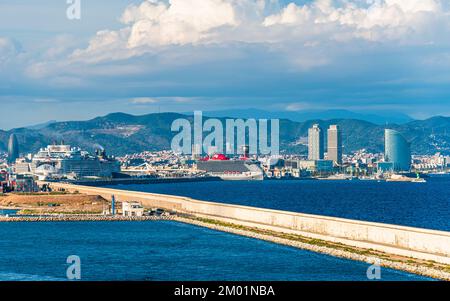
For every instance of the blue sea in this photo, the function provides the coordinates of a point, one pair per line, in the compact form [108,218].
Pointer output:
[166,250]
[424,205]
[162,250]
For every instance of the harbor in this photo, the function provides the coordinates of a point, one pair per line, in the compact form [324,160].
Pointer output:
[61,162]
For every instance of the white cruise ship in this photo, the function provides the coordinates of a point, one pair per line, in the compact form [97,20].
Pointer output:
[231,170]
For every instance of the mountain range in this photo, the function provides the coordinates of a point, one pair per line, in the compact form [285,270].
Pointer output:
[381,117]
[121,134]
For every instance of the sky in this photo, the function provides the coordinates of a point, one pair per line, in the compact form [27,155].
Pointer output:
[143,56]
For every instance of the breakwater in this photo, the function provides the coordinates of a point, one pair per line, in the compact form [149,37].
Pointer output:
[424,244]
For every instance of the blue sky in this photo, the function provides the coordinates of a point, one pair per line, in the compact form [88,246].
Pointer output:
[146,56]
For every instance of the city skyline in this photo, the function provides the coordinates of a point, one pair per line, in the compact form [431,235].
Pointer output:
[63,161]
[273,55]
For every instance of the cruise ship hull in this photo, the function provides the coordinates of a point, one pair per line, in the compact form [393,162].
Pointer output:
[232,170]
[241,177]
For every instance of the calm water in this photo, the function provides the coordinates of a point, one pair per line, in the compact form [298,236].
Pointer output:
[162,251]
[10,212]
[425,205]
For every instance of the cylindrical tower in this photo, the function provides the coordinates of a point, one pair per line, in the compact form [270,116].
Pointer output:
[397,150]
[13,149]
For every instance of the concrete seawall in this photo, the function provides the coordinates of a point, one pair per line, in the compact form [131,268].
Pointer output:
[399,240]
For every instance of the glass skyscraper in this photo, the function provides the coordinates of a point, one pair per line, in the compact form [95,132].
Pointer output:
[397,150]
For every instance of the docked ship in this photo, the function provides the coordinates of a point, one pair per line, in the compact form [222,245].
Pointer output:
[64,161]
[223,167]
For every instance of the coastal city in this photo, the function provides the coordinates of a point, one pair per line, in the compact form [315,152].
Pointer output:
[61,162]
[62,183]
[203,149]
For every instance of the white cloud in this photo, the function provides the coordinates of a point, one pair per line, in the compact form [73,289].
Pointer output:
[208,48]
[60,46]
[143,100]
[297,106]
[181,22]
[45,100]
[154,100]
[378,20]
[106,45]
[8,50]
[154,25]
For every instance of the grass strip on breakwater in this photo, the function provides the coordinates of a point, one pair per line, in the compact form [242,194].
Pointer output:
[407,264]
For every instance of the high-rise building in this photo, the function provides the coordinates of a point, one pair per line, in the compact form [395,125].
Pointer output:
[397,150]
[335,144]
[315,143]
[196,151]
[13,149]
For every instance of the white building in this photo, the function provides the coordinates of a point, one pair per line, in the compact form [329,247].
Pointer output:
[132,209]
[335,144]
[315,143]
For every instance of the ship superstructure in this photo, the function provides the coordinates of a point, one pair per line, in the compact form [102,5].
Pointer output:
[221,166]
[66,161]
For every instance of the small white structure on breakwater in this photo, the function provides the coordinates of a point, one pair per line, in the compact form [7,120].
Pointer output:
[132,209]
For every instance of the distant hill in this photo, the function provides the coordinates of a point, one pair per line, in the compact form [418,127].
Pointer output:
[121,133]
[41,125]
[380,118]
